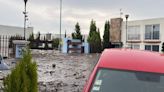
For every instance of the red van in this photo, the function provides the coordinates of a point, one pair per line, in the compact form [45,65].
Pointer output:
[125,70]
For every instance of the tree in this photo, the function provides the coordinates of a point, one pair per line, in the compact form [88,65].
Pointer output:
[23,77]
[93,27]
[38,36]
[31,37]
[99,44]
[38,40]
[163,47]
[77,33]
[65,36]
[94,38]
[106,35]
[55,43]
[46,43]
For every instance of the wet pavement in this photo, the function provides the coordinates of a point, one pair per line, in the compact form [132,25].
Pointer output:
[59,72]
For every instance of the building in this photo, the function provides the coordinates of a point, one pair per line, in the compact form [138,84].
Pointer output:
[116,32]
[13,30]
[6,32]
[51,36]
[145,34]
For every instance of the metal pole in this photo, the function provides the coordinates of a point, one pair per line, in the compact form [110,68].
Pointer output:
[126,29]
[0,45]
[60,23]
[127,16]
[25,22]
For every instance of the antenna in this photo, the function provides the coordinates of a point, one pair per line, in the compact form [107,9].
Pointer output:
[121,13]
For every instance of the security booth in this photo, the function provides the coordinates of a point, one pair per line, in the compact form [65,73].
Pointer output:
[19,45]
[74,45]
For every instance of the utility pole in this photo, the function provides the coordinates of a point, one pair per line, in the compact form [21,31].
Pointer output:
[60,23]
[127,16]
[25,18]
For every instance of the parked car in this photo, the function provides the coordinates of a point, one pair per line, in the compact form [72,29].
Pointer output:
[125,70]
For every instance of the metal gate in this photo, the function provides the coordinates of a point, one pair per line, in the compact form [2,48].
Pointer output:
[4,46]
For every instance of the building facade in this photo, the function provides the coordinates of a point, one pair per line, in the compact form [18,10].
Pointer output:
[145,34]
[13,31]
[6,32]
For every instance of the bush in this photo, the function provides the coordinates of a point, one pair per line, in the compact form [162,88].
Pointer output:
[24,77]
[55,43]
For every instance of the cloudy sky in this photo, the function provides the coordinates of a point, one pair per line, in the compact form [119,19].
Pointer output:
[44,14]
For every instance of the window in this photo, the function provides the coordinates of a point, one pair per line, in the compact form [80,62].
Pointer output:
[148,47]
[134,46]
[134,33]
[155,48]
[107,80]
[152,48]
[152,32]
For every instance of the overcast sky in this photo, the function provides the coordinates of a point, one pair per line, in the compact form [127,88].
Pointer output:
[44,14]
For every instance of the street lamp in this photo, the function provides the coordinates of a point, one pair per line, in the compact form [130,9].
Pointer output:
[60,23]
[127,16]
[25,18]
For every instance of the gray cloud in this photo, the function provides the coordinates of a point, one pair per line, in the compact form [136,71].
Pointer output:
[44,14]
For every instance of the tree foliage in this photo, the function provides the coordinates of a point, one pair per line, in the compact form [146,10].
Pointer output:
[55,43]
[31,37]
[106,36]
[163,47]
[77,33]
[65,35]
[94,38]
[24,77]
[38,36]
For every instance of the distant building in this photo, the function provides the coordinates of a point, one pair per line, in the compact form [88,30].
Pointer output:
[145,34]
[50,36]
[13,30]
[6,32]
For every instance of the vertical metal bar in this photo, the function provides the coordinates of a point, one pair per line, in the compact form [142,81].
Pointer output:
[126,29]
[6,46]
[3,45]
[25,15]
[60,23]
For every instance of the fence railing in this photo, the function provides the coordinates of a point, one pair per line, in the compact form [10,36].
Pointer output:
[6,46]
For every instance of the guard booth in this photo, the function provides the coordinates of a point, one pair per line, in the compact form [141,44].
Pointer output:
[19,45]
[73,45]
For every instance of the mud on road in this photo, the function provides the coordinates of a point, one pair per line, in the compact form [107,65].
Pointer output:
[63,72]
